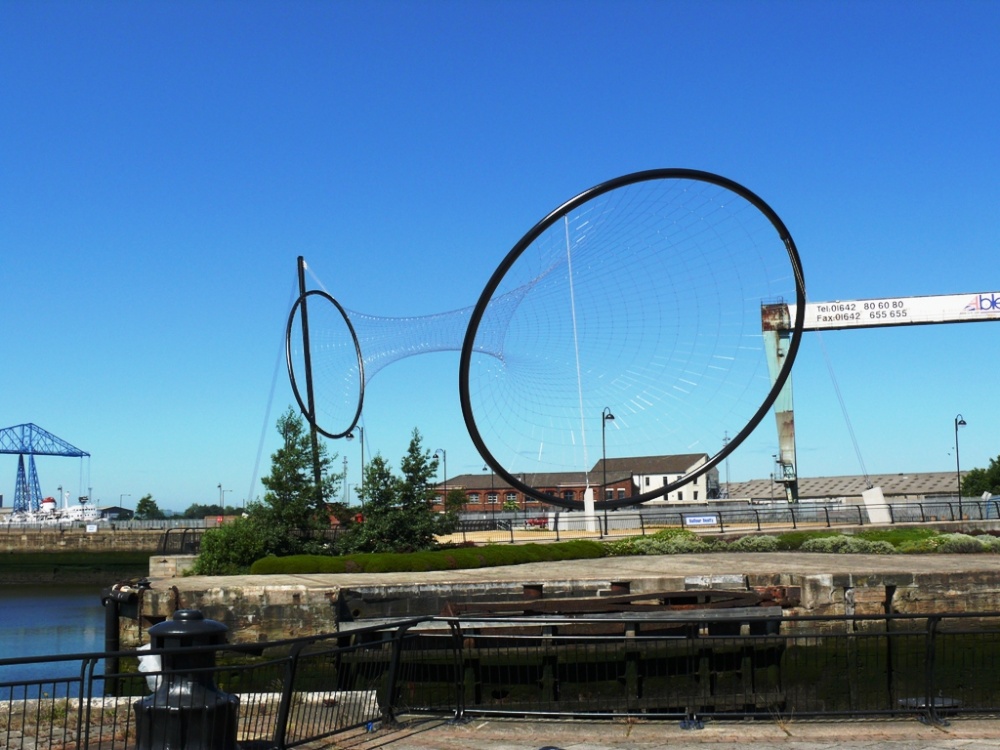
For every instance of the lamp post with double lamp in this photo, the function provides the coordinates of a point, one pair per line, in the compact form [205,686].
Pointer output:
[121,502]
[606,416]
[959,422]
[361,438]
[444,482]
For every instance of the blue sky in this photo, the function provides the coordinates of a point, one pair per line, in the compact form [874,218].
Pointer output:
[163,164]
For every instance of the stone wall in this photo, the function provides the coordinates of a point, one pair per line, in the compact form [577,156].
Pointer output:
[14,539]
[263,608]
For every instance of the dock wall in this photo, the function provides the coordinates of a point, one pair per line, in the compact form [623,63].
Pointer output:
[262,608]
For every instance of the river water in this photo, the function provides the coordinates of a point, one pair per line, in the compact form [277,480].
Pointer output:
[45,621]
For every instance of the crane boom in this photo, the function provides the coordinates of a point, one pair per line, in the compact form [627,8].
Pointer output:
[900,311]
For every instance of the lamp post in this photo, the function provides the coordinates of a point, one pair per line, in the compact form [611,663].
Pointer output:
[121,500]
[606,416]
[444,483]
[343,483]
[725,442]
[361,438]
[959,422]
[492,490]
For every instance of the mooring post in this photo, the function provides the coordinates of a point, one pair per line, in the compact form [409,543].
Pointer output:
[187,711]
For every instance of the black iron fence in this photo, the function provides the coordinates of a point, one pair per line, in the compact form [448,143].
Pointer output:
[720,518]
[687,666]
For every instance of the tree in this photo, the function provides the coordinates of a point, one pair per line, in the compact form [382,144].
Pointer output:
[398,513]
[454,501]
[978,481]
[147,510]
[293,500]
[289,520]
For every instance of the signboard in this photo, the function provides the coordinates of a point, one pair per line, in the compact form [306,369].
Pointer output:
[894,311]
[701,520]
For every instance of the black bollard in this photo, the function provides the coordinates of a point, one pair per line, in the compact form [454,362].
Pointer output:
[187,711]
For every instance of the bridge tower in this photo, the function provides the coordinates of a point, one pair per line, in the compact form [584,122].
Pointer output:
[31,440]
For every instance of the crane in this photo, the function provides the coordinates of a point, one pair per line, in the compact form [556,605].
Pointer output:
[31,440]
[862,313]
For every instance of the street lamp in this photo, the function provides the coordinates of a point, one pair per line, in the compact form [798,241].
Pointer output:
[444,483]
[492,490]
[361,437]
[121,500]
[606,416]
[959,422]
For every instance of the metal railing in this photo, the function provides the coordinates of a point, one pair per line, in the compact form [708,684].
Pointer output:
[721,518]
[667,666]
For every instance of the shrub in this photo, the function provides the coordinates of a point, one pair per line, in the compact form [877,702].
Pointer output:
[416,562]
[668,542]
[959,544]
[793,540]
[897,536]
[990,543]
[621,547]
[754,543]
[919,546]
[232,548]
[847,545]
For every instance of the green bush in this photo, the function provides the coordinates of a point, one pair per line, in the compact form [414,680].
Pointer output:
[990,543]
[665,542]
[793,540]
[418,562]
[959,544]
[754,543]
[896,535]
[232,548]
[847,545]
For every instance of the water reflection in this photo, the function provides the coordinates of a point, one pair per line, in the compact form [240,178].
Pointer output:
[45,621]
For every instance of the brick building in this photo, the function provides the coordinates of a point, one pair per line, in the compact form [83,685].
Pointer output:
[626,477]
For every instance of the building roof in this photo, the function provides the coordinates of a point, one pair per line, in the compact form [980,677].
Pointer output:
[641,465]
[893,485]
[490,483]
[619,470]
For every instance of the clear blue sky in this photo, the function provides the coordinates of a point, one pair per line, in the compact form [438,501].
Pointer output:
[163,164]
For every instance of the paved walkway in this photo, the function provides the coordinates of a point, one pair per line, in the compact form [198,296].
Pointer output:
[642,567]
[491,734]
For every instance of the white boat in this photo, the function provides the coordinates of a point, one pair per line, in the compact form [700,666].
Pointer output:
[50,514]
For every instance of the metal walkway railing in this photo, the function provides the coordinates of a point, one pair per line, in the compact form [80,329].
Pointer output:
[680,665]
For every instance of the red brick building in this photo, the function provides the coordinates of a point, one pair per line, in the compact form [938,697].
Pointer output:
[625,477]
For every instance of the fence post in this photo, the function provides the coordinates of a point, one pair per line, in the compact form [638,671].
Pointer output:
[285,704]
[930,704]
[457,641]
[389,710]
